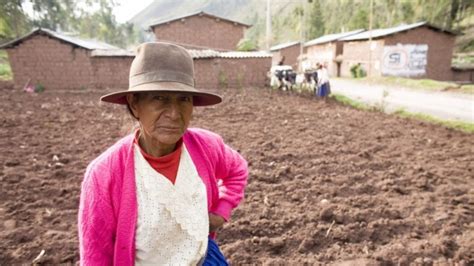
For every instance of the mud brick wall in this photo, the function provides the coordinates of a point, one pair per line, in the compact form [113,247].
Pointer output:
[201,30]
[111,72]
[358,52]
[205,73]
[51,63]
[440,49]
[231,72]
[440,52]
[323,53]
[291,56]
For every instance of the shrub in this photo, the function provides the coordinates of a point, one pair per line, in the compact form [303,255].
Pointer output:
[358,71]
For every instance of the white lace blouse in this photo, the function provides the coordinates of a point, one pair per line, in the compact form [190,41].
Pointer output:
[173,221]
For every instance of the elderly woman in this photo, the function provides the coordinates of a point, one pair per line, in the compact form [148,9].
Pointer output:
[155,196]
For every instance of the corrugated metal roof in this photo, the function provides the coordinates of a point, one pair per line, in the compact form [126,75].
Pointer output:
[283,45]
[378,33]
[199,13]
[203,53]
[112,53]
[199,54]
[332,37]
[87,44]
[237,54]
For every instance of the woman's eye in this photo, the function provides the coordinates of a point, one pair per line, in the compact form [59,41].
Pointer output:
[186,99]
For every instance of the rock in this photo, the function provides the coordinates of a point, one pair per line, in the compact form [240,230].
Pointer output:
[255,240]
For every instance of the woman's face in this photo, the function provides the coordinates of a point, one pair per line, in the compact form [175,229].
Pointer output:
[163,116]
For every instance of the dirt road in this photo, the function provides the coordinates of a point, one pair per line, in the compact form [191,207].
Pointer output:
[444,105]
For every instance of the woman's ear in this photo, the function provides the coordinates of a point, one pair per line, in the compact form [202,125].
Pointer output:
[132,104]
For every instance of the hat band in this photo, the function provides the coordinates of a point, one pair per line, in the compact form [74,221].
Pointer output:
[161,76]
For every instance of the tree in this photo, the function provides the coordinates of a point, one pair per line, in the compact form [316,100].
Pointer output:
[316,22]
[246,45]
[54,14]
[102,25]
[13,21]
[360,20]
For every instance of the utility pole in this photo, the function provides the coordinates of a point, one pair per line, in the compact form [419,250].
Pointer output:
[269,26]
[302,33]
[369,73]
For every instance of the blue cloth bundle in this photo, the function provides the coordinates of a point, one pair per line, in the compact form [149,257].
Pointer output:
[214,256]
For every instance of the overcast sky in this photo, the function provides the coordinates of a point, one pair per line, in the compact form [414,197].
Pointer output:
[124,11]
[128,8]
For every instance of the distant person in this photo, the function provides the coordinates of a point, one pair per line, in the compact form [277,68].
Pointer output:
[323,81]
[157,196]
[282,61]
[315,79]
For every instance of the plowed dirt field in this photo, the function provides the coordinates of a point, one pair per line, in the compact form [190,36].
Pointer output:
[328,184]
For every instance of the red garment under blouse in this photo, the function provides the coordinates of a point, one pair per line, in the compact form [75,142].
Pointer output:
[166,165]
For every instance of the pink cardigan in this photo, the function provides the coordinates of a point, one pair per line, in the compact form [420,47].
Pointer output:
[108,204]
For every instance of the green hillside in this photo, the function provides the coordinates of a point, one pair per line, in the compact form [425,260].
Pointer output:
[323,16]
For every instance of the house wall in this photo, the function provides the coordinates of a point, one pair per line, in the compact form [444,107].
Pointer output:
[291,56]
[324,54]
[111,72]
[440,49]
[51,63]
[212,73]
[201,30]
[438,59]
[358,52]
[57,65]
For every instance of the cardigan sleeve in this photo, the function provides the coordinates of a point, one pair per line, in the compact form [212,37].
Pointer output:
[96,218]
[231,174]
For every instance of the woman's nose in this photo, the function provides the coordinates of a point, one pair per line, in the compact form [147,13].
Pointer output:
[173,110]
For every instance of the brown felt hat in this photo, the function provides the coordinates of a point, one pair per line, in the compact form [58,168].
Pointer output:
[163,67]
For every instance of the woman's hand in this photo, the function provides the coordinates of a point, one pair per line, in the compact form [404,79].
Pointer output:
[215,222]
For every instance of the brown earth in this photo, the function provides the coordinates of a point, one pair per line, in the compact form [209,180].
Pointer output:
[328,184]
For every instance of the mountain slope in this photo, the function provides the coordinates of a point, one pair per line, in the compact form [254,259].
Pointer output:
[162,9]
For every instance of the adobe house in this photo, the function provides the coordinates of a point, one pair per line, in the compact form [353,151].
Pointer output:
[57,61]
[286,53]
[200,30]
[418,50]
[327,49]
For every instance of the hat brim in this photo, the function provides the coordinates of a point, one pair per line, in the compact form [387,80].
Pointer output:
[200,98]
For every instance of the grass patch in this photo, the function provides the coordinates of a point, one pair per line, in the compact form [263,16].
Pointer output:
[467,88]
[463,126]
[348,101]
[5,70]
